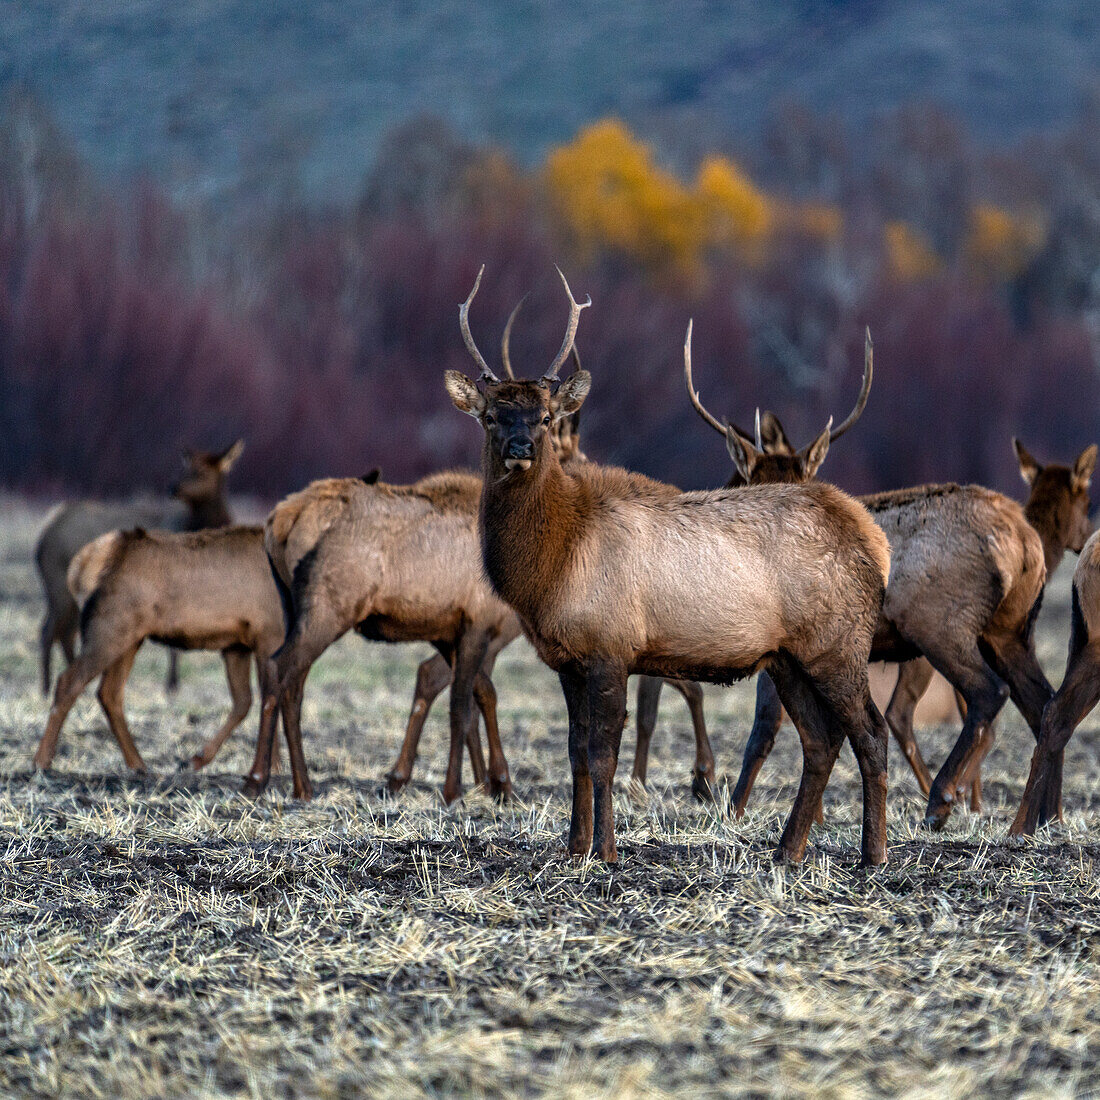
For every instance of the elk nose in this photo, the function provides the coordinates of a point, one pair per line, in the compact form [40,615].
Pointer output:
[519,447]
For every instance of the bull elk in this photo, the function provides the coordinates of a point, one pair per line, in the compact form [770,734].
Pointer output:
[966,580]
[199,503]
[611,573]
[209,589]
[771,460]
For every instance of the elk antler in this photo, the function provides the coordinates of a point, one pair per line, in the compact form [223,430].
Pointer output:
[464,323]
[717,425]
[865,389]
[570,331]
[508,336]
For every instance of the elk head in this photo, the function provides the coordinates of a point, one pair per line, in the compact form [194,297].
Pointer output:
[768,455]
[202,487]
[518,416]
[1058,503]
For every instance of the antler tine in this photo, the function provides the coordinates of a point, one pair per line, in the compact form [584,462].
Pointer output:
[570,330]
[759,436]
[865,389]
[467,335]
[508,336]
[717,425]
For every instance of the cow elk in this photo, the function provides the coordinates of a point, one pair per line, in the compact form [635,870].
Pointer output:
[966,580]
[613,574]
[209,589]
[199,503]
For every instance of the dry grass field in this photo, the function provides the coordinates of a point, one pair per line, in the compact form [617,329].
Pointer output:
[163,936]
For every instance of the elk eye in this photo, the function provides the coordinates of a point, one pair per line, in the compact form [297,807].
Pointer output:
[489,419]
[546,420]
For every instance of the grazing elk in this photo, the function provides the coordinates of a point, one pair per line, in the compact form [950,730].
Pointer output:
[1079,693]
[771,460]
[210,589]
[611,574]
[199,503]
[397,564]
[966,580]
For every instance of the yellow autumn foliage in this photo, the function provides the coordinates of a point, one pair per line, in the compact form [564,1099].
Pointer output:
[907,252]
[737,212]
[611,195]
[1000,243]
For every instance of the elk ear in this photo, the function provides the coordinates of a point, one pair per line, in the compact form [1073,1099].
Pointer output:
[1084,466]
[371,476]
[814,455]
[229,456]
[773,436]
[571,394]
[745,456]
[1029,468]
[465,396]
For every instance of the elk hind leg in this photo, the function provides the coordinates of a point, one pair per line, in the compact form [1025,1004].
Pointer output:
[500,780]
[703,779]
[913,680]
[110,693]
[469,655]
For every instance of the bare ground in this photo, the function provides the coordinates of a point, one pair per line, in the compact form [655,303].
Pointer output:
[163,936]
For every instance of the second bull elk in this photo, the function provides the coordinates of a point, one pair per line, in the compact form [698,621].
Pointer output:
[966,581]
[768,459]
[612,575]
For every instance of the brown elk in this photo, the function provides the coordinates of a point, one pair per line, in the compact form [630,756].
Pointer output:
[771,460]
[434,674]
[397,564]
[1079,693]
[199,503]
[210,589]
[612,574]
[967,575]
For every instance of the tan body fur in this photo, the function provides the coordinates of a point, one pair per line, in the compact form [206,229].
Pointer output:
[207,590]
[398,564]
[200,502]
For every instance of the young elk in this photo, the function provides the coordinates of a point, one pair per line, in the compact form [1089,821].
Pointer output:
[613,574]
[199,503]
[966,579]
[397,564]
[1079,693]
[209,589]
[771,460]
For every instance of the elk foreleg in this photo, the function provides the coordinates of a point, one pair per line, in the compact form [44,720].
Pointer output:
[172,677]
[574,685]
[469,654]
[913,680]
[432,677]
[649,696]
[606,718]
[769,716]
[236,660]
[110,699]
[500,780]
[703,779]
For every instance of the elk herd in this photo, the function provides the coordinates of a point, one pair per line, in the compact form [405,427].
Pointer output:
[609,574]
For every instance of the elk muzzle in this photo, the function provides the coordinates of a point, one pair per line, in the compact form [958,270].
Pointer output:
[518,452]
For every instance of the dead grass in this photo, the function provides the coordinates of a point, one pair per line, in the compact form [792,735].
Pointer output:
[166,937]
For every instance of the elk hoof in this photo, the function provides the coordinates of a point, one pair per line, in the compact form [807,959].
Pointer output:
[452,794]
[303,792]
[501,789]
[253,787]
[394,783]
[702,786]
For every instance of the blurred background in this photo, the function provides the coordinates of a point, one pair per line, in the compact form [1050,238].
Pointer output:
[258,218]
